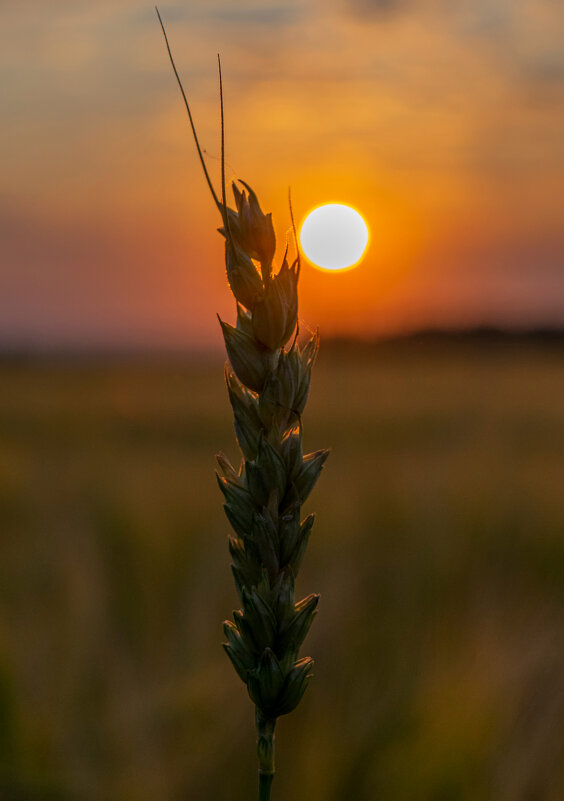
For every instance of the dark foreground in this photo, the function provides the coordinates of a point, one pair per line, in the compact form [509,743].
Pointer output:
[439,554]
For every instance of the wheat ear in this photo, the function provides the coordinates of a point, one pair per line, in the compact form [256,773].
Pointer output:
[268,383]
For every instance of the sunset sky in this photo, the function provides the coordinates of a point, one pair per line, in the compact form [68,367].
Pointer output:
[442,121]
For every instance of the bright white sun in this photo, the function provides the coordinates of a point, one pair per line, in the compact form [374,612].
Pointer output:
[334,236]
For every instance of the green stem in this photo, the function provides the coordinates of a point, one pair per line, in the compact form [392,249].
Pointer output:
[265,752]
[265,783]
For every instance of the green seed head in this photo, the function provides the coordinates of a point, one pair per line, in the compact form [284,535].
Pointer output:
[268,383]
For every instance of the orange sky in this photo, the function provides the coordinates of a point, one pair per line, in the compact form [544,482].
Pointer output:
[442,121]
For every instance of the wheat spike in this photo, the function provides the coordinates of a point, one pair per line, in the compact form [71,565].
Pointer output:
[268,378]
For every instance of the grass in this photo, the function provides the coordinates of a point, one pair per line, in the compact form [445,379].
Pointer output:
[438,551]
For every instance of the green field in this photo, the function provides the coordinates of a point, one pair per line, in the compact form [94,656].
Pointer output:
[438,551]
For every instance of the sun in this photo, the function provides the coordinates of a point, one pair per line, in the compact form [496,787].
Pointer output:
[333,236]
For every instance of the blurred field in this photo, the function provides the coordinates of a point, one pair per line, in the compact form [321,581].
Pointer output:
[438,551]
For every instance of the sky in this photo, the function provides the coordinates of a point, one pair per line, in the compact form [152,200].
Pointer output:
[442,121]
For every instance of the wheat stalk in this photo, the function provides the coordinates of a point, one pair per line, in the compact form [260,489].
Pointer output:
[268,383]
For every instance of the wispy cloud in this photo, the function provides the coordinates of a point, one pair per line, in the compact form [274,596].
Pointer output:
[260,14]
[369,10]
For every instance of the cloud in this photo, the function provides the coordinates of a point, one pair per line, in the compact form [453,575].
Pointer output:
[260,14]
[375,8]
